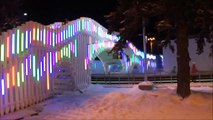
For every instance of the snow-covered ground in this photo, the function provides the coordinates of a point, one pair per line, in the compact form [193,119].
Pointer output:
[124,102]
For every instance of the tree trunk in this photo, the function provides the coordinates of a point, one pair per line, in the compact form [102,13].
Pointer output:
[183,74]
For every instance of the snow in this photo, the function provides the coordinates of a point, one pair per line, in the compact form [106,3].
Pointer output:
[125,102]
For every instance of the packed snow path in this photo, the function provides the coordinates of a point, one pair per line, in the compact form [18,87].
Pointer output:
[124,102]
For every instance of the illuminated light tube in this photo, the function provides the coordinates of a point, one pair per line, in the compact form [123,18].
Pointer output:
[64,35]
[2,87]
[51,62]
[61,36]
[56,57]
[44,36]
[48,75]
[41,37]
[71,31]
[8,47]
[13,43]
[18,79]
[30,37]
[26,66]
[37,33]
[85,64]
[17,42]
[34,66]
[26,40]
[38,74]
[50,38]
[13,75]
[76,48]
[2,52]
[34,34]
[30,61]
[64,49]
[41,68]
[44,64]
[53,39]
[8,80]
[53,57]
[69,51]
[22,42]
[22,72]
[62,53]
[56,38]
[59,55]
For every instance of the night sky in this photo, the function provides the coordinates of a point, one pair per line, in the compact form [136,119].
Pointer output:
[50,11]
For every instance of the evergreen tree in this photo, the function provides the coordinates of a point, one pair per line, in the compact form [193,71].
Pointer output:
[172,20]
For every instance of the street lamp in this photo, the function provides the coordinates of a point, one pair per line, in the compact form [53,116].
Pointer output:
[151,39]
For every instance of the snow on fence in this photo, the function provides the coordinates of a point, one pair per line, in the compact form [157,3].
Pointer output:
[30,53]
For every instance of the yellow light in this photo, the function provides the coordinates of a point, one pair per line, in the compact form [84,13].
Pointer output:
[8,81]
[13,75]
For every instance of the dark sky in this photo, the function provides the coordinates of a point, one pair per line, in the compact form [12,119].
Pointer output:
[50,11]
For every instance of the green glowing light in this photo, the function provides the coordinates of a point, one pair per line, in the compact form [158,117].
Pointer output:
[53,39]
[34,66]
[69,51]
[2,52]
[76,55]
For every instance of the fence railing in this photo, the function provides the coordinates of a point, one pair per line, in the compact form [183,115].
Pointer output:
[155,77]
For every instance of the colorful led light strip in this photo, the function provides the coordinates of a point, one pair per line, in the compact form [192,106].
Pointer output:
[30,61]
[26,66]
[34,34]
[30,37]
[8,47]
[22,42]
[85,64]
[18,79]
[37,33]
[44,36]
[51,62]
[48,75]
[17,42]
[13,75]
[8,80]
[41,68]
[2,87]
[2,52]
[13,44]
[34,66]
[76,55]
[22,72]
[56,57]
[44,64]
[26,40]
[38,74]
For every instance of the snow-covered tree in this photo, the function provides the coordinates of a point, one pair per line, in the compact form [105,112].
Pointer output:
[172,20]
